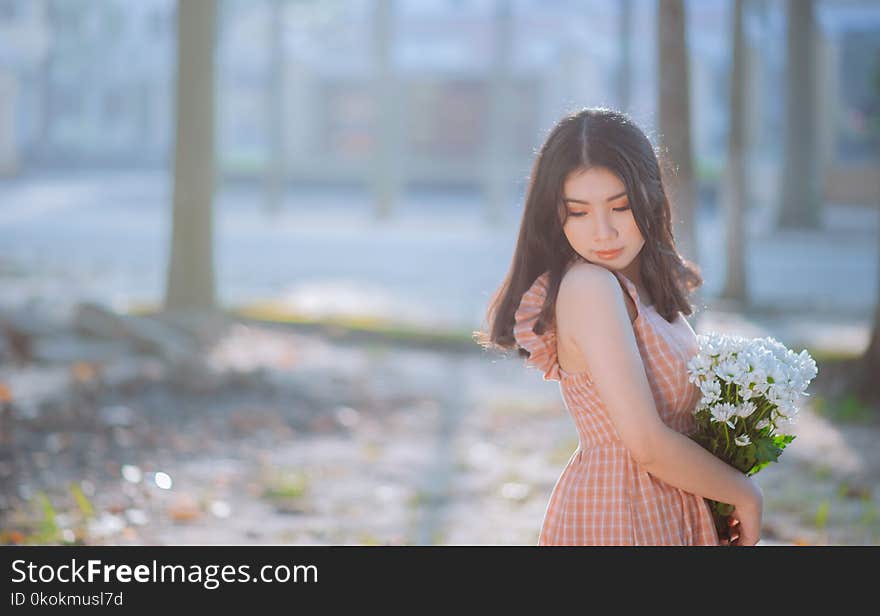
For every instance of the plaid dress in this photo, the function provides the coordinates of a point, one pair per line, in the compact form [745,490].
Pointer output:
[603,497]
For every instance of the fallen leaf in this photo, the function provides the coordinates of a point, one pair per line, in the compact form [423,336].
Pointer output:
[13,536]
[185,508]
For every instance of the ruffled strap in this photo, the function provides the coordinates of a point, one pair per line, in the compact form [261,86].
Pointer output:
[541,347]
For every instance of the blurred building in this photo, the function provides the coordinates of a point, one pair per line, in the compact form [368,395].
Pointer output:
[90,84]
[92,80]
[853,92]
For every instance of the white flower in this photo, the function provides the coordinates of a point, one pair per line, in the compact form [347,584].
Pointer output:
[745,409]
[711,344]
[728,370]
[807,366]
[742,440]
[778,373]
[762,424]
[699,408]
[747,393]
[763,363]
[776,395]
[699,366]
[774,346]
[786,411]
[751,373]
[711,391]
[784,425]
[721,346]
[723,412]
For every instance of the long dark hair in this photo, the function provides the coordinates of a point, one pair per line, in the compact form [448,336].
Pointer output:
[590,138]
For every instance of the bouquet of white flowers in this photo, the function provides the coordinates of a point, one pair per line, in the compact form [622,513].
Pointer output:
[751,390]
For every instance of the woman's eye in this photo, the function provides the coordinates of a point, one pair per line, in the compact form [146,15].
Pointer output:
[617,209]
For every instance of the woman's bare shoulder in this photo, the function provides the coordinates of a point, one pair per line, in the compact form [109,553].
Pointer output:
[590,284]
[587,280]
[585,273]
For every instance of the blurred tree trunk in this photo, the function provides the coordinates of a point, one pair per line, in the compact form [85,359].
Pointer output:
[867,380]
[499,142]
[801,186]
[675,121]
[867,373]
[46,112]
[190,285]
[275,125]
[386,180]
[9,164]
[735,286]
[624,73]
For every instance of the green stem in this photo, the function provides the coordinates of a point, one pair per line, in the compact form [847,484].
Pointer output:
[763,409]
[720,519]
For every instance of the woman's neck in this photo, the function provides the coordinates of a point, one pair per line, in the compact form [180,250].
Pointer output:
[633,273]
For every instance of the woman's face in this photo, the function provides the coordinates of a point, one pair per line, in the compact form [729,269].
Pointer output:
[600,218]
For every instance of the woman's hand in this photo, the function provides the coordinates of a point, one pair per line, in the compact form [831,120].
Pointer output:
[732,532]
[745,522]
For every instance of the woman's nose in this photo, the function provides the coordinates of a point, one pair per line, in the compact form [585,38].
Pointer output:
[604,230]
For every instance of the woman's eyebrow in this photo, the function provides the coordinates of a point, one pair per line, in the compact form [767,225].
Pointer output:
[609,199]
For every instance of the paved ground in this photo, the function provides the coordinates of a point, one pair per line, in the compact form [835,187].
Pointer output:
[370,445]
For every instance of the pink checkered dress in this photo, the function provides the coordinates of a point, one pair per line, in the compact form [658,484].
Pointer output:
[603,497]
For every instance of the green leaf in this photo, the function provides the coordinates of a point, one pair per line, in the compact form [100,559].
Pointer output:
[822,514]
[757,467]
[724,509]
[47,528]
[766,450]
[745,457]
[82,501]
[781,440]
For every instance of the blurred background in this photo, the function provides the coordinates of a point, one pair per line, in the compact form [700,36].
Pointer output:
[244,246]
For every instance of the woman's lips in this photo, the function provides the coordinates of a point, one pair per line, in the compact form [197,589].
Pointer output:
[609,255]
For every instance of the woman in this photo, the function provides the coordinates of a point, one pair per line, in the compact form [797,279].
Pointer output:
[595,298]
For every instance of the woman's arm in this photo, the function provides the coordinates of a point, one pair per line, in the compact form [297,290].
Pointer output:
[592,316]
